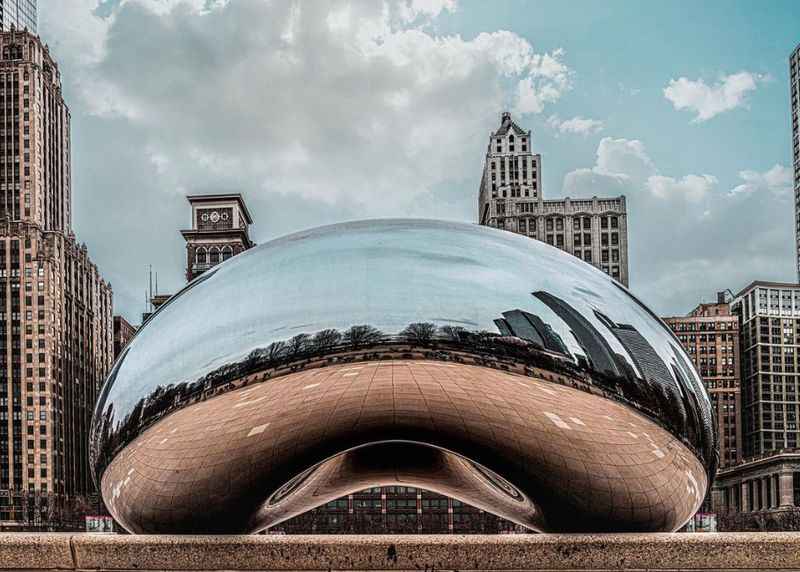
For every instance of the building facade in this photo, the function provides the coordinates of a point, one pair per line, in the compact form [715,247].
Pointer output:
[123,332]
[20,14]
[762,493]
[55,308]
[794,95]
[511,198]
[220,230]
[396,510]
[769,315]
[710,335]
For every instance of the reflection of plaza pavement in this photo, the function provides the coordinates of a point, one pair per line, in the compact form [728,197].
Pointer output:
[579,461]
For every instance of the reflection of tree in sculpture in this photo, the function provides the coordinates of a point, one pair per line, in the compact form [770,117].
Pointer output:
[303,347]
[363,335]
[297,345]
[326,339]
[420,332]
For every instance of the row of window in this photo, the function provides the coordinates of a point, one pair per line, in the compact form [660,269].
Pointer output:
[511,144]
[558,223]
[213,255]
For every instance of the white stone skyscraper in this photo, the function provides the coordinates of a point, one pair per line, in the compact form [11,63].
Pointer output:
[510,197]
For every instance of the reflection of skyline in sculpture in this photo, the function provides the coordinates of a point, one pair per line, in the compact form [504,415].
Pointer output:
[497,383]
[531,327]
[664,392]
[594,344]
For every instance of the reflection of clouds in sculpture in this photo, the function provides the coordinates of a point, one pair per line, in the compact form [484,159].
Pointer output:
[406,290]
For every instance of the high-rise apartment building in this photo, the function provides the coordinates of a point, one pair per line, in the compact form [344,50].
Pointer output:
[19,14]
[56,342]
[764,489]
[511,198]
[769,314]
[794,94]
[220,230]
[710,335]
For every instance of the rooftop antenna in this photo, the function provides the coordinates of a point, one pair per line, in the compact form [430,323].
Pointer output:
[150,297]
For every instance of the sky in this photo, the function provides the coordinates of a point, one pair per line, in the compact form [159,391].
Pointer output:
[321,112]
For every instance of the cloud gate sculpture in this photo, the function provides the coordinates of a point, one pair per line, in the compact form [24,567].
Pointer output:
[465,360]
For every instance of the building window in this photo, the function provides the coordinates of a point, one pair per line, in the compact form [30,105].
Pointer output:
[227,252]
[201,256]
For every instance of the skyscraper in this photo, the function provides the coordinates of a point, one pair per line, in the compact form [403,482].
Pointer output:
[767,481]
[769,314]
[794,93]
[511,198]
[20,14]
[55,308]
[710,335]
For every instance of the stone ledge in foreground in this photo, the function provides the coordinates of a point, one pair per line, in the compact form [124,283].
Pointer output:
[723,551]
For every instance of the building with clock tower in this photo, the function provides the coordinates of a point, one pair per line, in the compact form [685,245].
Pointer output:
[220,230]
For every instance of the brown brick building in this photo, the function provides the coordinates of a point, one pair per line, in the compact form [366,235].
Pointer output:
[56,342]
[123,332]
[710,335]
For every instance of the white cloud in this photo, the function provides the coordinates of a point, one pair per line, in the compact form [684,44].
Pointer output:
[623,157]
[577,125]
[410,10]
[777,180]
[345,81]
[687,238]
[708,101]
[692,187]
[548,78]
[317,112]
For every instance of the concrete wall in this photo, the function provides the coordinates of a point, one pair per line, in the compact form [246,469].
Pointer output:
[732,551]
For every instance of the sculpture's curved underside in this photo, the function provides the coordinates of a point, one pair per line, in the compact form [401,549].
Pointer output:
[460,359]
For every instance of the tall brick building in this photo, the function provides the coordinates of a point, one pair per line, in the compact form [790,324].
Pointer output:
[710,335]
[511,198]
[55,308]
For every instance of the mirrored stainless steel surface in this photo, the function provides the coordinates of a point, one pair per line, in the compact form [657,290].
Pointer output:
[466,360]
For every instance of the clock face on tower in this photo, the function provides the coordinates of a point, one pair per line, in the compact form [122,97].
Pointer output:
[214,218]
